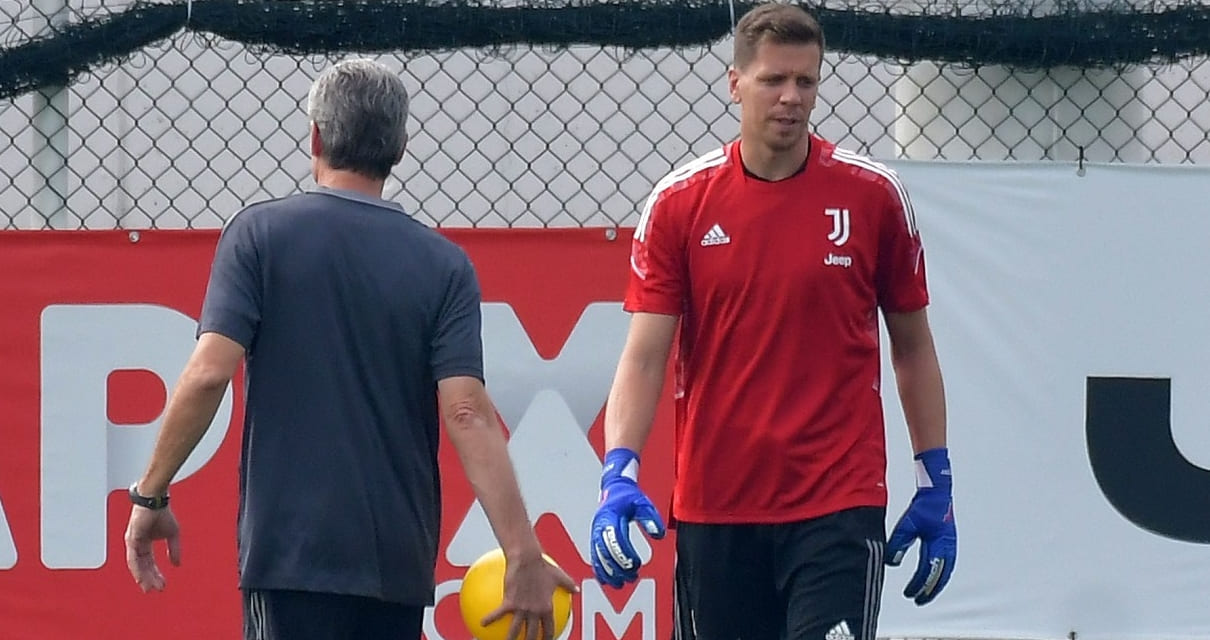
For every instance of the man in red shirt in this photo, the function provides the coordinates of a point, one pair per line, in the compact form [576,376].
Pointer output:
[773,256]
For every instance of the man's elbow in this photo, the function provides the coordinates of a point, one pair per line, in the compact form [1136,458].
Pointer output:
[914,355]
[646,363]
[213,363]
[465,415]
[207,378]
[917,347]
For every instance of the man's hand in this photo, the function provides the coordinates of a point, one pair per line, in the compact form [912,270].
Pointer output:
[145,527]
[929,517]
[529,589]
[614,560]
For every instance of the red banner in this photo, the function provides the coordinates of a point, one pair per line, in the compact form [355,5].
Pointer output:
[94,330]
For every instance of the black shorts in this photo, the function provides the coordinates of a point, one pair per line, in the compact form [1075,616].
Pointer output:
[819,579]
[301,615]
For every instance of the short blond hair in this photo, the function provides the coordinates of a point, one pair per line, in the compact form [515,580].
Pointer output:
[774,22]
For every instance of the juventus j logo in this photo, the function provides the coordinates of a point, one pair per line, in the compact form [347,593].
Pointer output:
[840,225]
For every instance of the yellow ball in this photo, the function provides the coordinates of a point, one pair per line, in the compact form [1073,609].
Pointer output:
[483,591]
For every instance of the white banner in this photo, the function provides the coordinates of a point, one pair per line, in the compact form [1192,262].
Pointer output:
[1063,306]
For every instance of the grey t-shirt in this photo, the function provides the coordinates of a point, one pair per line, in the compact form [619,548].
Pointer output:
[350,312]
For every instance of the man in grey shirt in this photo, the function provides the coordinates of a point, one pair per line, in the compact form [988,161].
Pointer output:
[360,327]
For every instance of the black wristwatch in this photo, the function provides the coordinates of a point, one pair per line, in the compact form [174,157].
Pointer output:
[154,502]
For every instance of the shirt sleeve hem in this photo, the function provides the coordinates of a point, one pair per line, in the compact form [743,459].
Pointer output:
[234,330]
[669,309]
[906,307]
[458,371]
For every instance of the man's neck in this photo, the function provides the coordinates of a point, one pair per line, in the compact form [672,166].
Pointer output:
[768,164]
[350,181]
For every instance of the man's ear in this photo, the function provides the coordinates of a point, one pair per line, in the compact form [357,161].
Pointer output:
[317,146]
[733,84]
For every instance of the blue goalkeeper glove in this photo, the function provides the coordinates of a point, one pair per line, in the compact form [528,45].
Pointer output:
[929,517]
[614,560]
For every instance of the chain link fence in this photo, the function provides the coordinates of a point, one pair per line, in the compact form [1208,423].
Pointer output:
[184,134]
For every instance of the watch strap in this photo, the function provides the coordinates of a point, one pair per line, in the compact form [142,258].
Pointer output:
[151,502]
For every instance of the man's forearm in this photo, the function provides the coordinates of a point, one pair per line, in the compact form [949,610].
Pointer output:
[633,399]
[189,414]
[484,455]
[922,394]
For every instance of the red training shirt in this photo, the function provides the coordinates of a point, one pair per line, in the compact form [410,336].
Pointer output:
[777,285]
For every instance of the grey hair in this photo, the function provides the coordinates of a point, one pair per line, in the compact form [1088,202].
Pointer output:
[361,109]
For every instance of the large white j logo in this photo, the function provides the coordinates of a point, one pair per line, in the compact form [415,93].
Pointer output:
[840,225]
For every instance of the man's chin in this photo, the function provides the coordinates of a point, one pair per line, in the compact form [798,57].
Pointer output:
[782,144]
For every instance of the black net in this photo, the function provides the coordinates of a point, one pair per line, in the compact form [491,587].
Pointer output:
[1009,34]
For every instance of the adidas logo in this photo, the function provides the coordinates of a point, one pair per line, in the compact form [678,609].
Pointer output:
[840,632]
[715,236]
